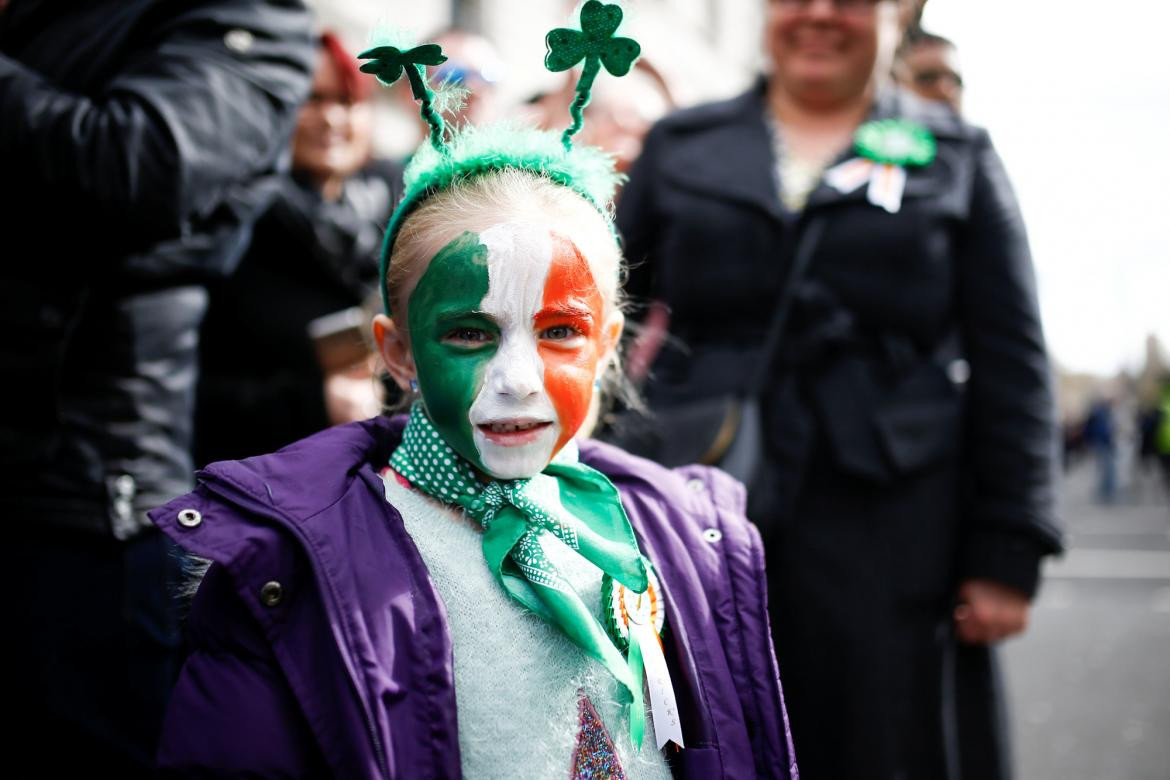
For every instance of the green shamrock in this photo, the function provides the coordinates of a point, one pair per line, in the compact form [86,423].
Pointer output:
[595,43]
[895,142]
[388,63]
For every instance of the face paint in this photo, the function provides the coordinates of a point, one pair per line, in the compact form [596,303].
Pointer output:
[571,302]
[507,377]
[443,307]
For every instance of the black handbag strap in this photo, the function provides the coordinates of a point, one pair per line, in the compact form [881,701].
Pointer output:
[805,248]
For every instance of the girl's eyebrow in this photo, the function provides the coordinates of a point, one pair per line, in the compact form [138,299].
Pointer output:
[570,308]
[458,313]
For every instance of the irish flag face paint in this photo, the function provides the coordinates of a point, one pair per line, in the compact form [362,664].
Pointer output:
[506,329]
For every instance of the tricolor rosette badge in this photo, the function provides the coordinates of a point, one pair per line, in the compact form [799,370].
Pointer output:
[886,147]
[635,622]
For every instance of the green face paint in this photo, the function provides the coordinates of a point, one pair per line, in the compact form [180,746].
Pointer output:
[450,338]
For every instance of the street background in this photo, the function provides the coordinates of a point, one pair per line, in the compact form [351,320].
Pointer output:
[1090,681]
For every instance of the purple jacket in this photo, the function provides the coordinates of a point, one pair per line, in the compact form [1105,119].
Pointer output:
[320,646]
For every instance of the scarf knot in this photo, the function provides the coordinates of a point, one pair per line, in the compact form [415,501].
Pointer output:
[491,498]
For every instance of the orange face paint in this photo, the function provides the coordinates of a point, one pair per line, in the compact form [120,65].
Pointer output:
[572,301]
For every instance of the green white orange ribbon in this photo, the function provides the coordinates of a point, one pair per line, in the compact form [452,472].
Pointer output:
[635,621]
[885,148]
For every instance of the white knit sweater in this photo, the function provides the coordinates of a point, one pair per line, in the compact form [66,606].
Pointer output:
[517,677]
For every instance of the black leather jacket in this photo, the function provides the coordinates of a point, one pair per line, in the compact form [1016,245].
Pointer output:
[138,140]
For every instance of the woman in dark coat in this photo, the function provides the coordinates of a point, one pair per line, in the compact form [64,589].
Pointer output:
[314,253]
[907,498]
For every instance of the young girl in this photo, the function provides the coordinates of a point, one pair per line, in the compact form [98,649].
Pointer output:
[470,590]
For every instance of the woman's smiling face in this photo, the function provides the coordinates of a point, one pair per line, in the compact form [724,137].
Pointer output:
[508,331]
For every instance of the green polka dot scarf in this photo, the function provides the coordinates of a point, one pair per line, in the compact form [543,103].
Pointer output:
[569,500]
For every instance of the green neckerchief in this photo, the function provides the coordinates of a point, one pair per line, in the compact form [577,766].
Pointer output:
[573,502]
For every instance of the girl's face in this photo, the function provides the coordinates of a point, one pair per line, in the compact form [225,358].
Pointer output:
[508,333]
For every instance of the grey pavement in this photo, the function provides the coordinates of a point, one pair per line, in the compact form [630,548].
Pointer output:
[1090,681]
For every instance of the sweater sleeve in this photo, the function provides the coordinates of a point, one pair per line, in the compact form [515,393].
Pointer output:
[232,714]
[1010,522]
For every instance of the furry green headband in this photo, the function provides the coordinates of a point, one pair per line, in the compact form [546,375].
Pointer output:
[449,157]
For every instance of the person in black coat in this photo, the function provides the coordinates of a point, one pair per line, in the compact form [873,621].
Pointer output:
[264,380]
[907,497]
[138,140]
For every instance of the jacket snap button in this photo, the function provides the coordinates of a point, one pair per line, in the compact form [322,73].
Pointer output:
[271,593]
[239,40]
[712,535]
[189,518]
[696,485]
[959,371]
[125,486]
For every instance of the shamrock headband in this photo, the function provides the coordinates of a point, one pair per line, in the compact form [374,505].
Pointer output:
[451,157]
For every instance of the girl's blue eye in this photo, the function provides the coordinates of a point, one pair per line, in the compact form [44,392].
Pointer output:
[559,333]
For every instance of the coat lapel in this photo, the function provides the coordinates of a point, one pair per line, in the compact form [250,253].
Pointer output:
[724,161]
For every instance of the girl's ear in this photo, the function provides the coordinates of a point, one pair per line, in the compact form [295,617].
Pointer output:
[395,350]
[611,334]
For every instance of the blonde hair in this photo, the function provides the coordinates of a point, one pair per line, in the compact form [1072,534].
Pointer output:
[480,201]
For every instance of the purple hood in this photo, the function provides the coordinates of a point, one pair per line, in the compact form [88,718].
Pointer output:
[320,626]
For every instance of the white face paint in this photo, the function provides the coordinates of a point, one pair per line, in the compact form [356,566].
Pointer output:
[513,392]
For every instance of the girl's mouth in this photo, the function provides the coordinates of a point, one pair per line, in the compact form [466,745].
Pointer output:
[512,433]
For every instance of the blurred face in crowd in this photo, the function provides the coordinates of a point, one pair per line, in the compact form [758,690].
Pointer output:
[827,51]
[621,113]
[334,130]
[472,62]
[932,70]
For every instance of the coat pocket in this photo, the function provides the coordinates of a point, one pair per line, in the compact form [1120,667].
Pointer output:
[920,423]
[878,432]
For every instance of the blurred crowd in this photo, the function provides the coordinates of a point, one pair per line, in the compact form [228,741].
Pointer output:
[213,166]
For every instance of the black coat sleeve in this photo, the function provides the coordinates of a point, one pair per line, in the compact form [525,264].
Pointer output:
[1010,518]
[187,115]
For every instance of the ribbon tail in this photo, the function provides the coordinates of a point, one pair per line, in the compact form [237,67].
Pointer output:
[638,705]
[849,175]
[886,186]
[663,704]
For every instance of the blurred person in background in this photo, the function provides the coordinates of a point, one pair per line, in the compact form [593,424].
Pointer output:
[621,111]
[1155,443]
[906,491]
[474,64]
[928,65]
[265,380]
[138,139]
[1100,434]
